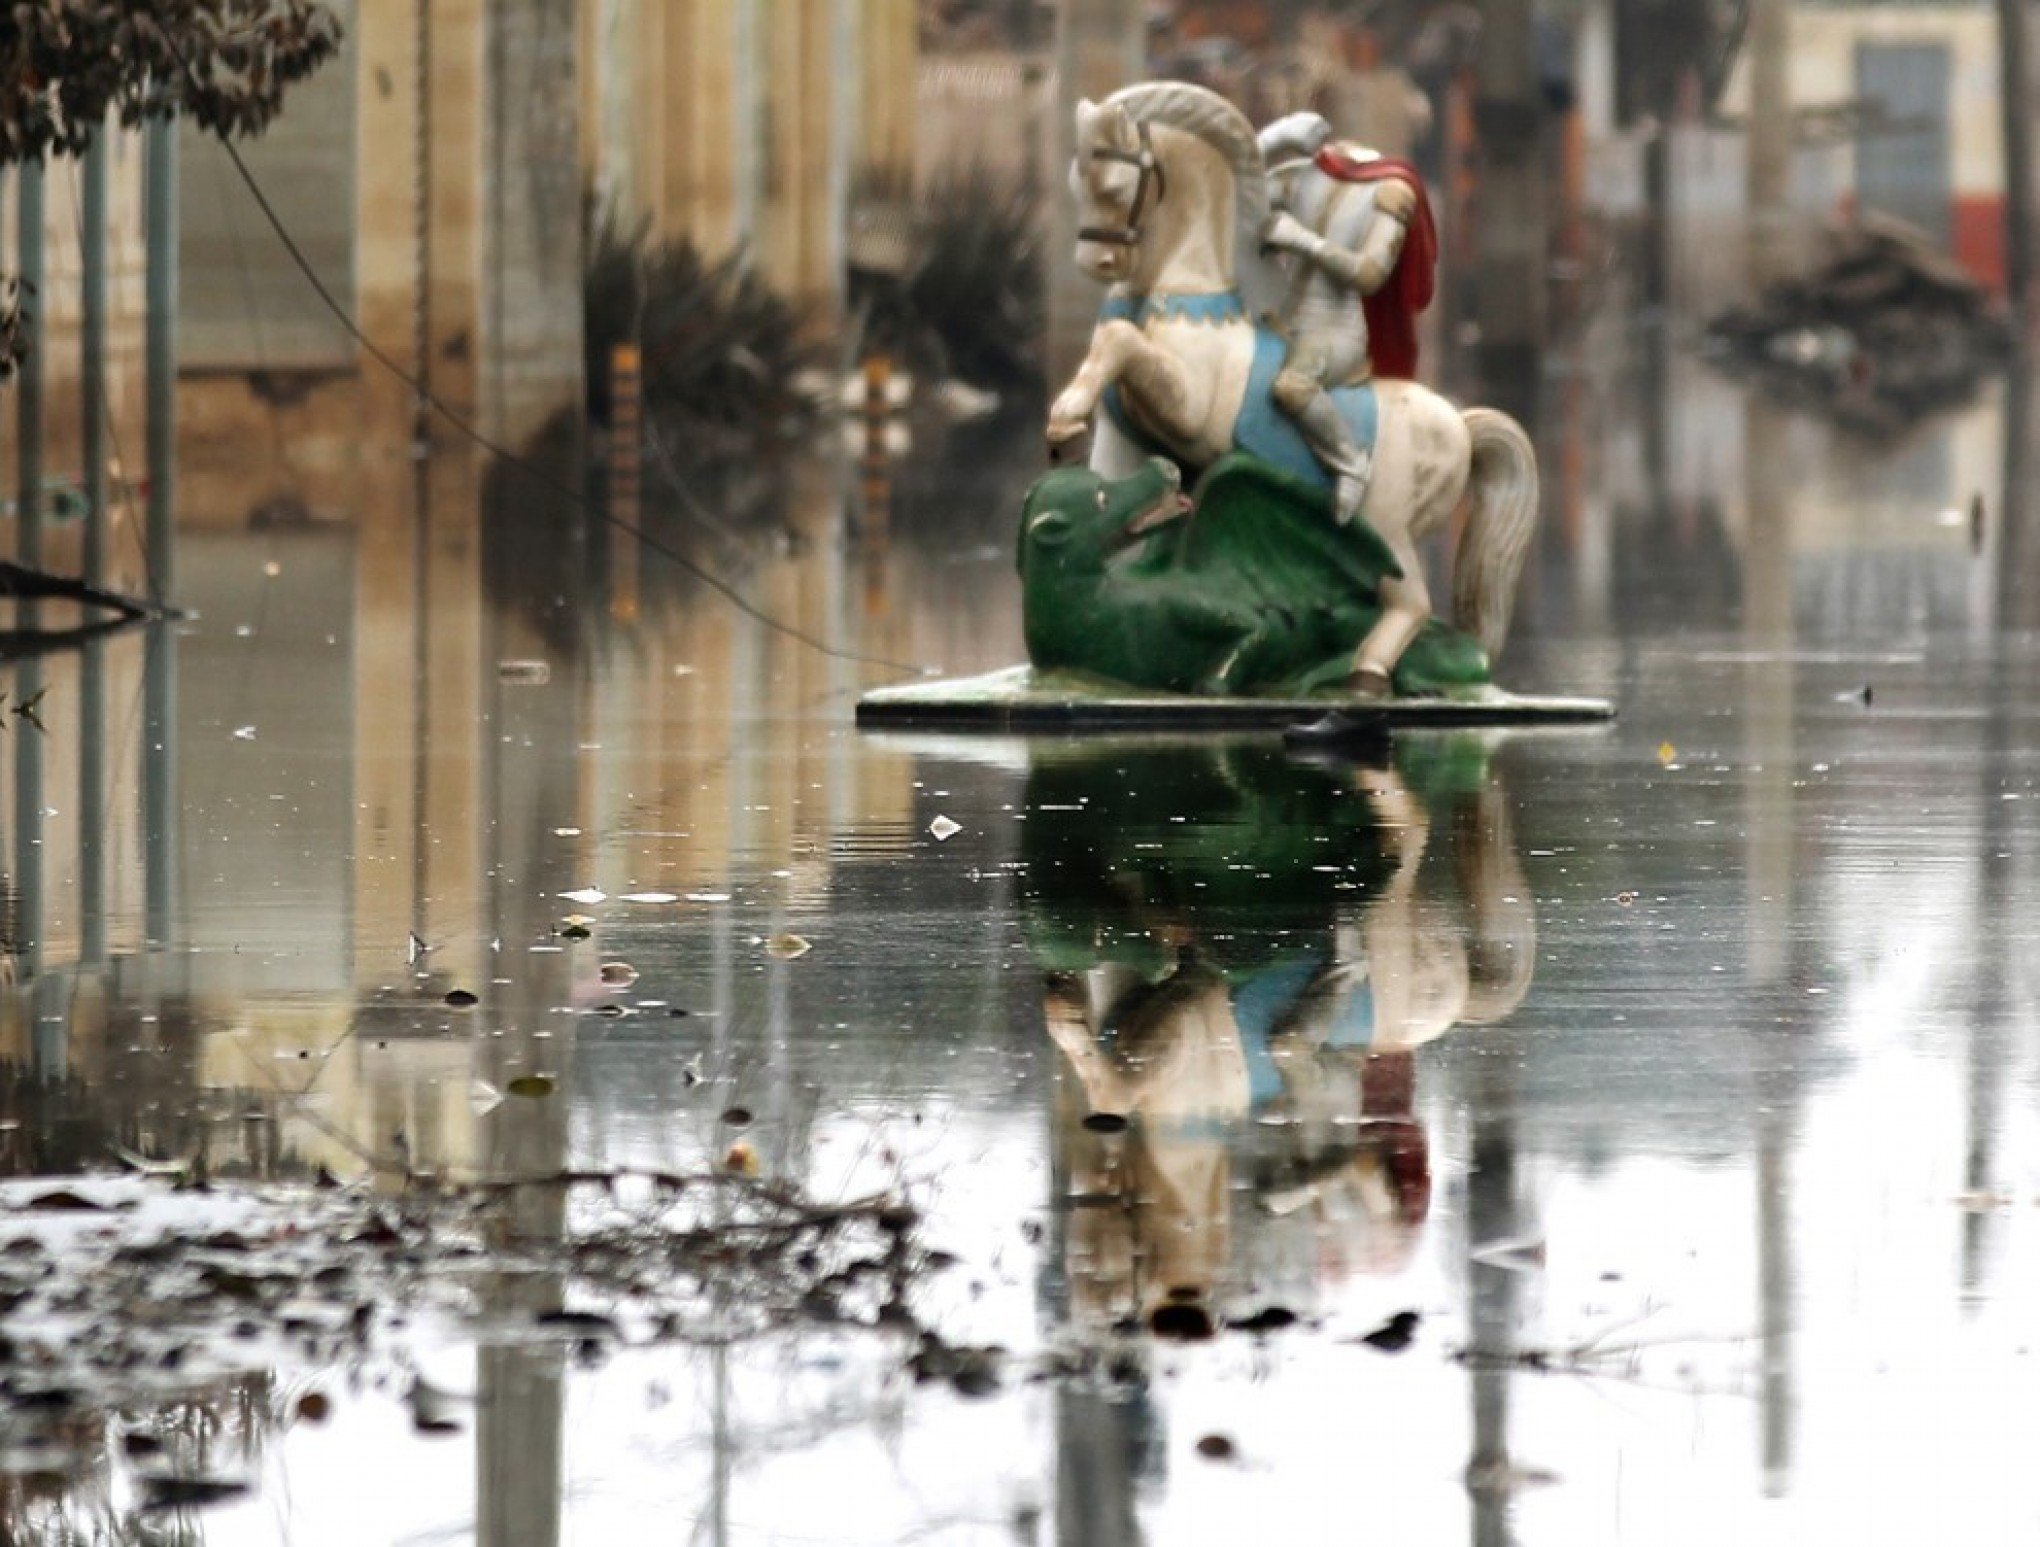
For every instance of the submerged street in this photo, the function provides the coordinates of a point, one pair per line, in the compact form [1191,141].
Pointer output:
[1617,1133]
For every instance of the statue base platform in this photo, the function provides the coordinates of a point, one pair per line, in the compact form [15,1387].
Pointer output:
[1021,699]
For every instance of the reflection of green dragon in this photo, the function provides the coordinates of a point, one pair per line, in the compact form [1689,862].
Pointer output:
[1253,853]
[1257,592]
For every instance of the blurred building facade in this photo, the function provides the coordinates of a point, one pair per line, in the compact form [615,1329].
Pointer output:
[435,177]
[1895,108]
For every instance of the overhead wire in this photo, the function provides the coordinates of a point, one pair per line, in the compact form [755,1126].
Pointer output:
[531,470]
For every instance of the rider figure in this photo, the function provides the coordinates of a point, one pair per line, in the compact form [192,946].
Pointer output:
[1361,231]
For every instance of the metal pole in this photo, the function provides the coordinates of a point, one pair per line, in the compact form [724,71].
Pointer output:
[29,390]
[2015,43]
[159,782]
[28,811]
[160,217]
[1770,142]
[92,818]
[28,551]
[92,346]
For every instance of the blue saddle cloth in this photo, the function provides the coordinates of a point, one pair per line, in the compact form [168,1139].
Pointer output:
[1263,428]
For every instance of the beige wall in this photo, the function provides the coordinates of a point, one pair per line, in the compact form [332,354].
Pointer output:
[1823,55]
[744,123]
[730,122]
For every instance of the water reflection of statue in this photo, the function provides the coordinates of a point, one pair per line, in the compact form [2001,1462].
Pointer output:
[1344,1183]
[1246,988]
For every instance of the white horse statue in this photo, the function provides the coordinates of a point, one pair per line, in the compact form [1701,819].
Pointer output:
[1171,182]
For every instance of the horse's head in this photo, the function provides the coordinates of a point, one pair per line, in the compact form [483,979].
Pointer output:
[1116,179]
[1163,177]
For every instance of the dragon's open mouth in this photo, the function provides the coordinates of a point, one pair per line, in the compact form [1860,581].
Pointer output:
[1170,504]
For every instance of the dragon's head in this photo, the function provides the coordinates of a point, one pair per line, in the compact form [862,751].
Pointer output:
[1076,519]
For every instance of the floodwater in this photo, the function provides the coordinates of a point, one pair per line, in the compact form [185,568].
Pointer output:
[1605,1135]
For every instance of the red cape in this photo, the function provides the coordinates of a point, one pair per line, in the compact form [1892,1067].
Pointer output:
[1392,310]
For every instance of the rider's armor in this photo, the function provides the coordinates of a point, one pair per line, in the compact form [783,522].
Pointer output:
[1345,215]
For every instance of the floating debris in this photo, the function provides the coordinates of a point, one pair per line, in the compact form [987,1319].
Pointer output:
[972,1371]
[787,948]
[1983,1201]
[168,1493]
[1271,1318]
[195,1296]
[1504,1477]
[524,674]
[63,1200]
[943,829]
[28,707]
[574,927]
[586,895]
[483,1098]
[531,1086]
[652,897]
[432,1410]
[144,1166]
[462,999]
[1107,1122]
[1886,330]
[1395,1334]
[740,1159]
[736,1117]
[1185,1321]
[618,974]
[245,733]
[580,1324]
[1217,1447]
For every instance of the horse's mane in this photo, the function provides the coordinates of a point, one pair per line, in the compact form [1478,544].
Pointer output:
[1198,111]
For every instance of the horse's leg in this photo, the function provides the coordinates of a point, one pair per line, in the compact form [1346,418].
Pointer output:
[1405,609]
[1114,453]
[1069,416]
[1120,352]
[1422,456]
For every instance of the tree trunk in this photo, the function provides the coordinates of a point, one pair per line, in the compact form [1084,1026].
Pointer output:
[1509,231]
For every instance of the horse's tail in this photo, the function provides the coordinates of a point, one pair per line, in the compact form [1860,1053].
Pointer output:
[1488,560]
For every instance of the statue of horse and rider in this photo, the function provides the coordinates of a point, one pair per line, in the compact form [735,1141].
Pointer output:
[1303,398]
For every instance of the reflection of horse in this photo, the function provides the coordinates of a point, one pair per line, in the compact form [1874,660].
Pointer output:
[1169,175]
[1227,935]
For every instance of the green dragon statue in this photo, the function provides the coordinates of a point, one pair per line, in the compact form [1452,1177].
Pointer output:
[1249,588]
